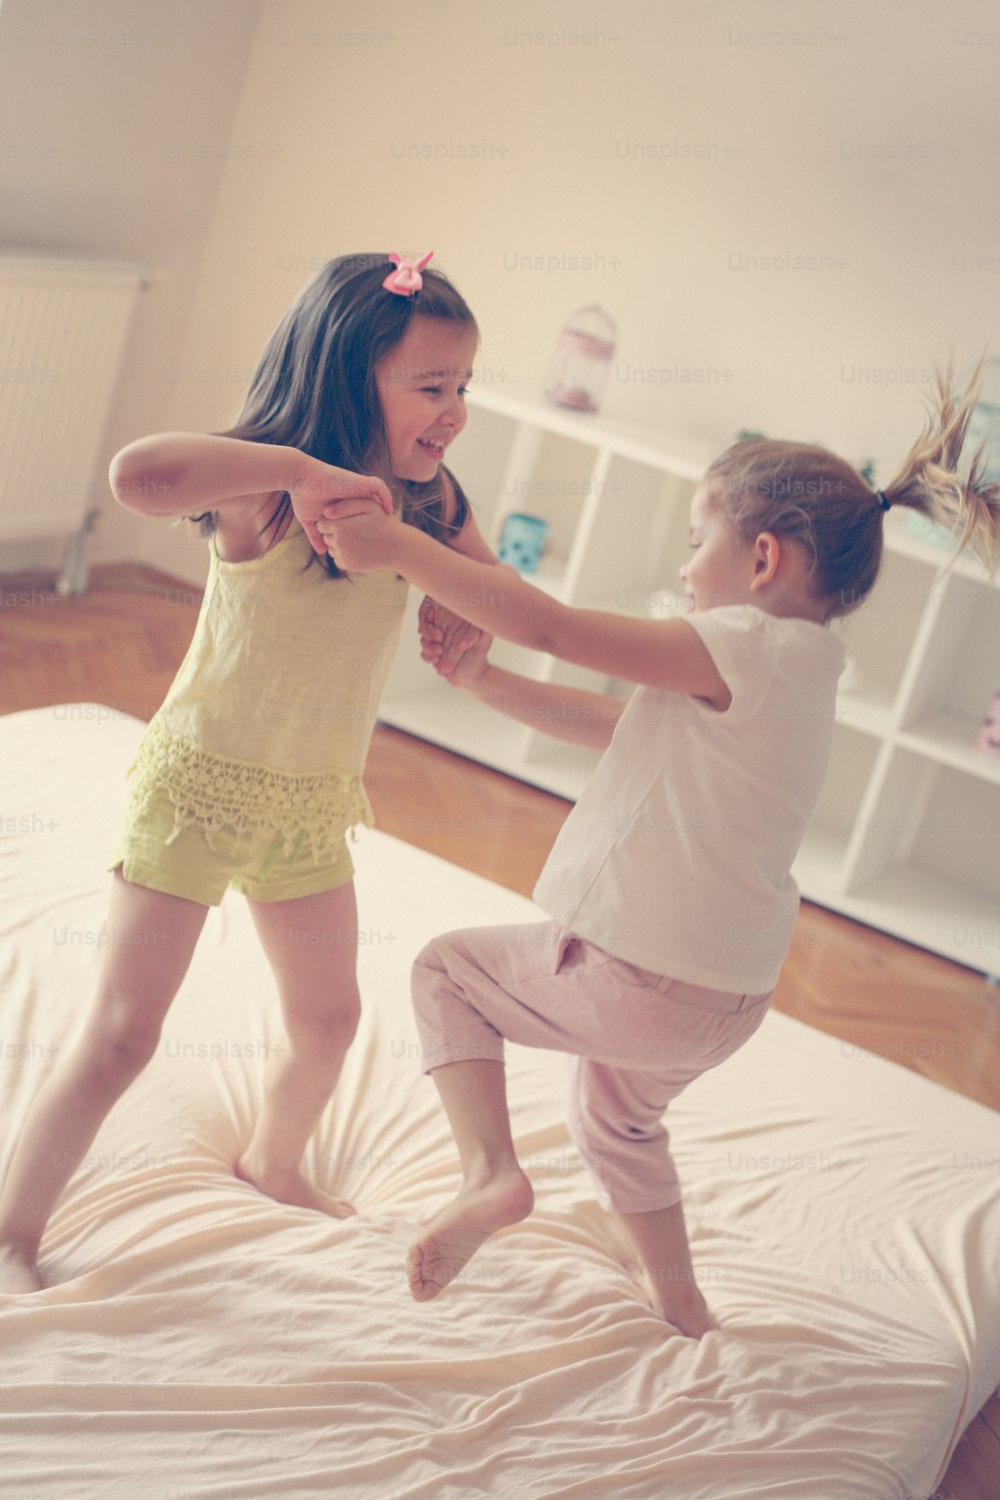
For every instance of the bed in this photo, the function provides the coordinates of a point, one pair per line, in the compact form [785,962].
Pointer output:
[200,1340]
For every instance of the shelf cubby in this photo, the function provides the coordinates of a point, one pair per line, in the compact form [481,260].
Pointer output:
[820,867]
[879,637]
[482,463]
[551,476]
[958,675]
[928,866]
[631,547]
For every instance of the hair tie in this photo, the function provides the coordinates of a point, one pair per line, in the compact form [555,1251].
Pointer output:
[406,280]
[883,499]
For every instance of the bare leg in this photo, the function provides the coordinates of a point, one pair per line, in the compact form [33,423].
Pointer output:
[495,1192]
[661,1243]
[150,940]
[311,944]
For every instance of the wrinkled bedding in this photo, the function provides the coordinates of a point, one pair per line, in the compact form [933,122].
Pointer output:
[199,1340]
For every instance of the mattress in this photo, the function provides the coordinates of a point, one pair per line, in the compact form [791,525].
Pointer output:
[196,1339]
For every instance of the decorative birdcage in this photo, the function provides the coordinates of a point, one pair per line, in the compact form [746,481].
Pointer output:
[584,351]
[989,734]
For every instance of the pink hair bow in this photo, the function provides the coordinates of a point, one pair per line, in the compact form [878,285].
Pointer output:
[406,279]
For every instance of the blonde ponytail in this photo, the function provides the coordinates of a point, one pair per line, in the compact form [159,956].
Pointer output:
[807,493]
[930,480]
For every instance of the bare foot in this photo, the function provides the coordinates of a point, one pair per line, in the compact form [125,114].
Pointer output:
[454,1235]
[684,1309]
[291,1187]
[18,1273]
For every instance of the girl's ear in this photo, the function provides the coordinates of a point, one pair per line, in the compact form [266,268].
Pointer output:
[766,557]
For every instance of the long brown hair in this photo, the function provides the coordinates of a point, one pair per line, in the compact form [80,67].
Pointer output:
[811,495]
[314,388]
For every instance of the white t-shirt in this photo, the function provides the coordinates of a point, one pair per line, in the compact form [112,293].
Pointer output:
[677,856]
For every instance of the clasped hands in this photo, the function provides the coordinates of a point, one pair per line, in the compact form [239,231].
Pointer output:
[359,533]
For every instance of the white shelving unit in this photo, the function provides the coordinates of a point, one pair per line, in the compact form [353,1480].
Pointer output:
[906,836]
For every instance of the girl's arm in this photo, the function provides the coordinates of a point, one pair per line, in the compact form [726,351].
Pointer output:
[657,653]
[565,713]
[184,473]
[444,635]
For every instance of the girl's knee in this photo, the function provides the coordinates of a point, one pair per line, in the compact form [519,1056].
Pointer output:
[121,1039]
[327,1028]
[433,957]
[444,958]
[433,980]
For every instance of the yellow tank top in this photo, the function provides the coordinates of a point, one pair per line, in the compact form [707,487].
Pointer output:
[268,721]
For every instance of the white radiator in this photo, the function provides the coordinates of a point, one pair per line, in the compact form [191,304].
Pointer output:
[63,325]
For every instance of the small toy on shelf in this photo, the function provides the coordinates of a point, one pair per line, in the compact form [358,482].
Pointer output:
[522,541]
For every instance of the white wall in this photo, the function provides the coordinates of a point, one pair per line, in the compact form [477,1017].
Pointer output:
[105,106]
[665,142]
[668,142]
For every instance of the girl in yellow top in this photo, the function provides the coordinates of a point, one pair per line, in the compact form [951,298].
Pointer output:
[249,775]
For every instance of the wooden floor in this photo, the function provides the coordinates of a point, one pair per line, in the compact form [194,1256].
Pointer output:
[120,644]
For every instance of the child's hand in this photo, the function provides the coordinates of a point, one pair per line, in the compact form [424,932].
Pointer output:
[473,662]
[325,483]
[358,533]
[450,643]
[455,648]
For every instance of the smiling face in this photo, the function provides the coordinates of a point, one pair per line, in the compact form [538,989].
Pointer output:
[721,568]
[421,386]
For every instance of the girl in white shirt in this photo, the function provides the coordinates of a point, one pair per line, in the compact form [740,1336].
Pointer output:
[669,886]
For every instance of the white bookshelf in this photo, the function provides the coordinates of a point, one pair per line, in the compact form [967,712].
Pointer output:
[906,836]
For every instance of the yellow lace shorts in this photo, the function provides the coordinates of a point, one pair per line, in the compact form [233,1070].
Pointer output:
[254,863]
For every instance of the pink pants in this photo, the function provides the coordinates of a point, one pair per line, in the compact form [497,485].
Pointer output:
[636,1037]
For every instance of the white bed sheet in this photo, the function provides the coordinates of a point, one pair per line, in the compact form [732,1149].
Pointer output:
[199,1340]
